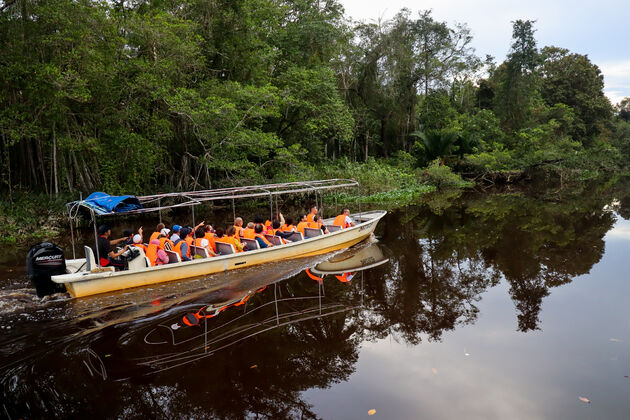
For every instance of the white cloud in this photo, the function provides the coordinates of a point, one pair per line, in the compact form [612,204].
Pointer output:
[616,79]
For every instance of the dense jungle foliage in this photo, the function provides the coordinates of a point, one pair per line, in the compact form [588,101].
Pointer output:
[146,95]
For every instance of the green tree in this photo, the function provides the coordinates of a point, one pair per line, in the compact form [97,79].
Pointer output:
[572,79]
[517,81]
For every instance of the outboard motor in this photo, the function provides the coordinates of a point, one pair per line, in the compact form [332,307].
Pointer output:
[43,261]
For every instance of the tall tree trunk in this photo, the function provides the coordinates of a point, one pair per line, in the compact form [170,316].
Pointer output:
[54,162]
[383,141]
[40,161]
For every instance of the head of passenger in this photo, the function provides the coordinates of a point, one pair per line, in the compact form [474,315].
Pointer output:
[105,230]
[208,228]
[137,238]
[231,231]
[259,219]
[160,226]
[258,229]
[176,229]
[314,210]
[238,222]
[302,218]
[200,233]
[220,232]
[250,225]
[184,232]
[127,233]
[289,221]
[346,212]
[164,232]
[275,224]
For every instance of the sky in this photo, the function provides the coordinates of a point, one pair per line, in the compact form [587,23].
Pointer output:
[599,29]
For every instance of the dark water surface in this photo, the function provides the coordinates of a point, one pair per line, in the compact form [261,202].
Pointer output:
[504,305]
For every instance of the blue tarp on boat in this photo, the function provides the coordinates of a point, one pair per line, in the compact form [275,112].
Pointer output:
[103,203]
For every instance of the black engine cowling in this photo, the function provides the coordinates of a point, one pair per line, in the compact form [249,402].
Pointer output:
[43,261]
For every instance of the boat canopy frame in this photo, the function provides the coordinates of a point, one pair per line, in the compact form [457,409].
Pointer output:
[195,198]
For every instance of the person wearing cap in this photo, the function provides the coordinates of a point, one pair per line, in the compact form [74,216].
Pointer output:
[107,257]
[137,242]
[166,243]
[180,245]
[175,235]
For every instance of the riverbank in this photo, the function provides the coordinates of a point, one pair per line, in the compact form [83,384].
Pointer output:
[32,217]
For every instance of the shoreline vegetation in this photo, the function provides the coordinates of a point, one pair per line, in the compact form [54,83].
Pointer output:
[139,97]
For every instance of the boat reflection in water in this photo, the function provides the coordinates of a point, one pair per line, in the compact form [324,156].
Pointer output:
[257,305]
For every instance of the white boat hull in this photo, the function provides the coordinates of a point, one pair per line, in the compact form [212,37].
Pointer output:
[87,283]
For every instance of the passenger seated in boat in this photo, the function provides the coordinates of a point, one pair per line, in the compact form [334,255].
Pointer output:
[302,224]
[258,220]
[343,219]
[107,257]
[312,213]
[249,232]
[317,224]
[209,235]
[202,242]
[288,226]
[166,243]
[222,237]
[238,225]
[155,253]
[277,230]
[137,242]
[260,238]
[231,233]
[188,237]
[180,246]
[158,229]
[175,233]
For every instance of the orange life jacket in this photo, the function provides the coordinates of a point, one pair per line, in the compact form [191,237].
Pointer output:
[261,236]
[198,242]
[238,243]
[154,235]
[239,230]
[210,237]
[267,223]
[231,240]
[314,225]
[249,233]
[341,221]
[309,217]
[151,253]
[142,247]
[301,226]
[189,241]
[288,228]
[178,248]
[163,242]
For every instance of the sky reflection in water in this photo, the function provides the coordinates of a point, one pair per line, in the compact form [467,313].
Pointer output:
[491,306]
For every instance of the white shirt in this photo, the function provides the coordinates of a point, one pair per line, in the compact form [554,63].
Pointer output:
[175,237]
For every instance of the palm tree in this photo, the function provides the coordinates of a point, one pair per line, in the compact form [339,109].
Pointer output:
[436,144]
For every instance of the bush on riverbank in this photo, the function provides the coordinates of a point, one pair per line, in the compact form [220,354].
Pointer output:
[31,217]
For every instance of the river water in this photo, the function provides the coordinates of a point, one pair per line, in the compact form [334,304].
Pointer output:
[505,304]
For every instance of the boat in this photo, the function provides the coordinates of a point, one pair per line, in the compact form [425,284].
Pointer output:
[84,277]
